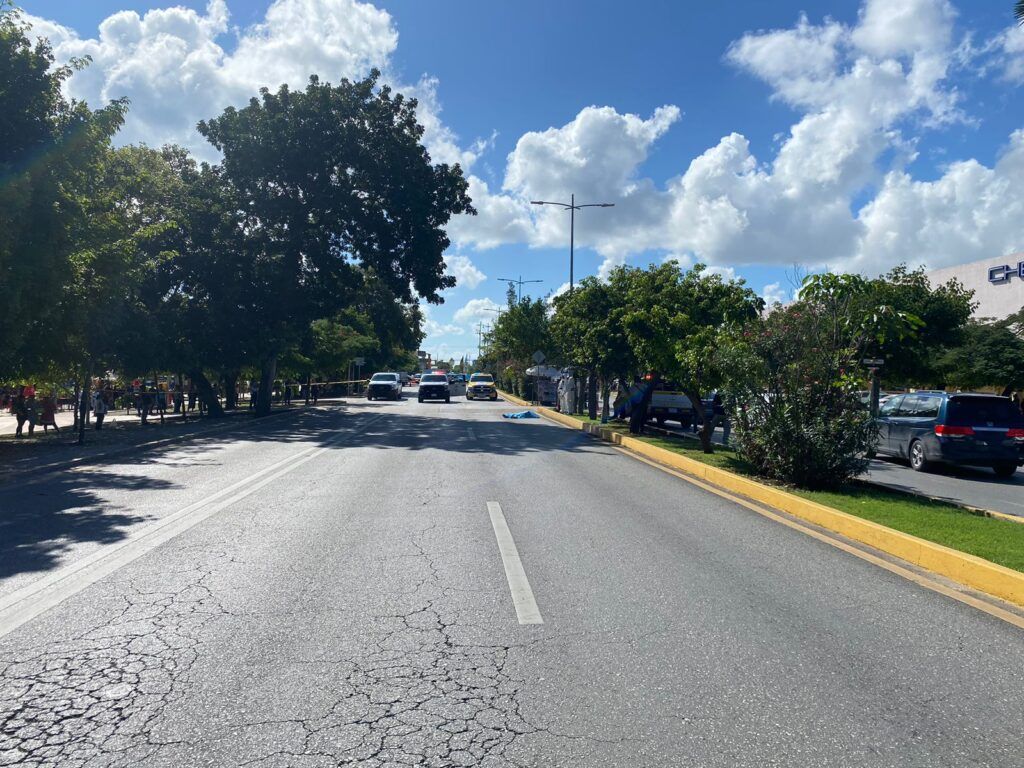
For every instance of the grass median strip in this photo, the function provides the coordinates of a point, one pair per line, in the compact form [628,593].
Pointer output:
[999,541]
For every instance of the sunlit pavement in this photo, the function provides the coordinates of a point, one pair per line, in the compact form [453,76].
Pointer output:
[395,583]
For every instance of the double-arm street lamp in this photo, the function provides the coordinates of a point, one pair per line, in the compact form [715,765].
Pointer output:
[572,208]
[520,282]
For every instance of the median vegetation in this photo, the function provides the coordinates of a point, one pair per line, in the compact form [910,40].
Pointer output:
[791,379]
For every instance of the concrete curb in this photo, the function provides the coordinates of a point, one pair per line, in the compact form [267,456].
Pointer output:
[969,570]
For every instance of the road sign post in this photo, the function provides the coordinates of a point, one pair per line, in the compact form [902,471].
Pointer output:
[874,364]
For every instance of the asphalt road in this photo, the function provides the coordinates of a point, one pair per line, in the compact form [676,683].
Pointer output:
[425,584]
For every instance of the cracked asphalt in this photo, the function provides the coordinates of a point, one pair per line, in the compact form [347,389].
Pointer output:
[355,611]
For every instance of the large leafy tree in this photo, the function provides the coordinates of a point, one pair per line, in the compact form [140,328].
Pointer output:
[327,180]
[990,354]
[674,321]
[938,315]
[1018,11]
[587,328]
[52,155]
[522,329]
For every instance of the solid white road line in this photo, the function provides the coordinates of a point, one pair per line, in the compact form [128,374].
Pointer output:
[30,601]
[518,584]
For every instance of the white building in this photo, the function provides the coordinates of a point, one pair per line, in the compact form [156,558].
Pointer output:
[998,284]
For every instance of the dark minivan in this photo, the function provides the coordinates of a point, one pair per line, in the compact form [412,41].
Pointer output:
[938,427]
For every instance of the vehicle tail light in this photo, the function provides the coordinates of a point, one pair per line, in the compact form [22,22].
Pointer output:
[1015,433]
[947,431]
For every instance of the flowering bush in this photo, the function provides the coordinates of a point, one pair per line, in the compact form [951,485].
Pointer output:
[797,418]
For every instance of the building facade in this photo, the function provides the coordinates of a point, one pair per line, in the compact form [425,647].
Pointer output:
[998,284]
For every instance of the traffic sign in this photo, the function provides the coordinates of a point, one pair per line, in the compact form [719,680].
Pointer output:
[539,357]
[872,361]
[360,361]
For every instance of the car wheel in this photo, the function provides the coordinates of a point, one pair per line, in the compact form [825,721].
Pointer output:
[420,399]
[493,398]
[447,398]
[1005,470]
[918,462]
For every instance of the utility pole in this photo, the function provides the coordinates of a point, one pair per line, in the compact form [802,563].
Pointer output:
[572,208]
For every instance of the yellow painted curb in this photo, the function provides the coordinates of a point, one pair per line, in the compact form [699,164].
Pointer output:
[972,571]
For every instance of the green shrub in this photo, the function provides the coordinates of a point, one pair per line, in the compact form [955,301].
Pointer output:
[797,418]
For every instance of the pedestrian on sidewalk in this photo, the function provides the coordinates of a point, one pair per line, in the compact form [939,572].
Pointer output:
[146,403]
[48,417]
[161,403]
[31,411]
[18,408]
[191,396]
[254,391]
[99,408]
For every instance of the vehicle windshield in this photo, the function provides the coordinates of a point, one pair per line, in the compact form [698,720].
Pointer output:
[484,378]
[385,377]
[434,378]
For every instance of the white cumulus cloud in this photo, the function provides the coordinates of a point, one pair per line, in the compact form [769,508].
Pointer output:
[464,271]
[477,310]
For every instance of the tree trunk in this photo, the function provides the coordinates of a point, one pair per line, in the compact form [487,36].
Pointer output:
[706,424]
[267,375]
[205,391]
[592,396]
[606,393]
[230,381]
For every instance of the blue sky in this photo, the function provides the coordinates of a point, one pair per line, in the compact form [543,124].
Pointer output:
[851,135]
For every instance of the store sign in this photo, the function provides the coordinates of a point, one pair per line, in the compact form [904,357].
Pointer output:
[1004,272]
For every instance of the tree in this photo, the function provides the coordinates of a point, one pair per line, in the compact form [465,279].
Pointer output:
[328,179]
[673,321]
[794,375]
[939,314]
[522,329]
[1018,11]
[51,160]
[991,354]
[587,328]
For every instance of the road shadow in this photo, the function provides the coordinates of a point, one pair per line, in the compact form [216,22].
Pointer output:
[46,516]
[41,522]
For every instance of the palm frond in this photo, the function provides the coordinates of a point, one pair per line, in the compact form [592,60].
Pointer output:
[1018,11]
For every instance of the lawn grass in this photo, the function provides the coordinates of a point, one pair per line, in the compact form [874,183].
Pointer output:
[1000,541]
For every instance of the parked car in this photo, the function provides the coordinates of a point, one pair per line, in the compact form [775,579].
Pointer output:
[481,387]
[434,386]
[928,428]
[384,385]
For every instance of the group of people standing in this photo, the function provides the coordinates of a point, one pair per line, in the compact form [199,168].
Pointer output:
[28,409]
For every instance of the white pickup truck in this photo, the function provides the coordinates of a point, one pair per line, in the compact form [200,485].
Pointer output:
[666,405]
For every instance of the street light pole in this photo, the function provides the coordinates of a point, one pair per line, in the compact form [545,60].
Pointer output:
[572,208]
[520,282]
